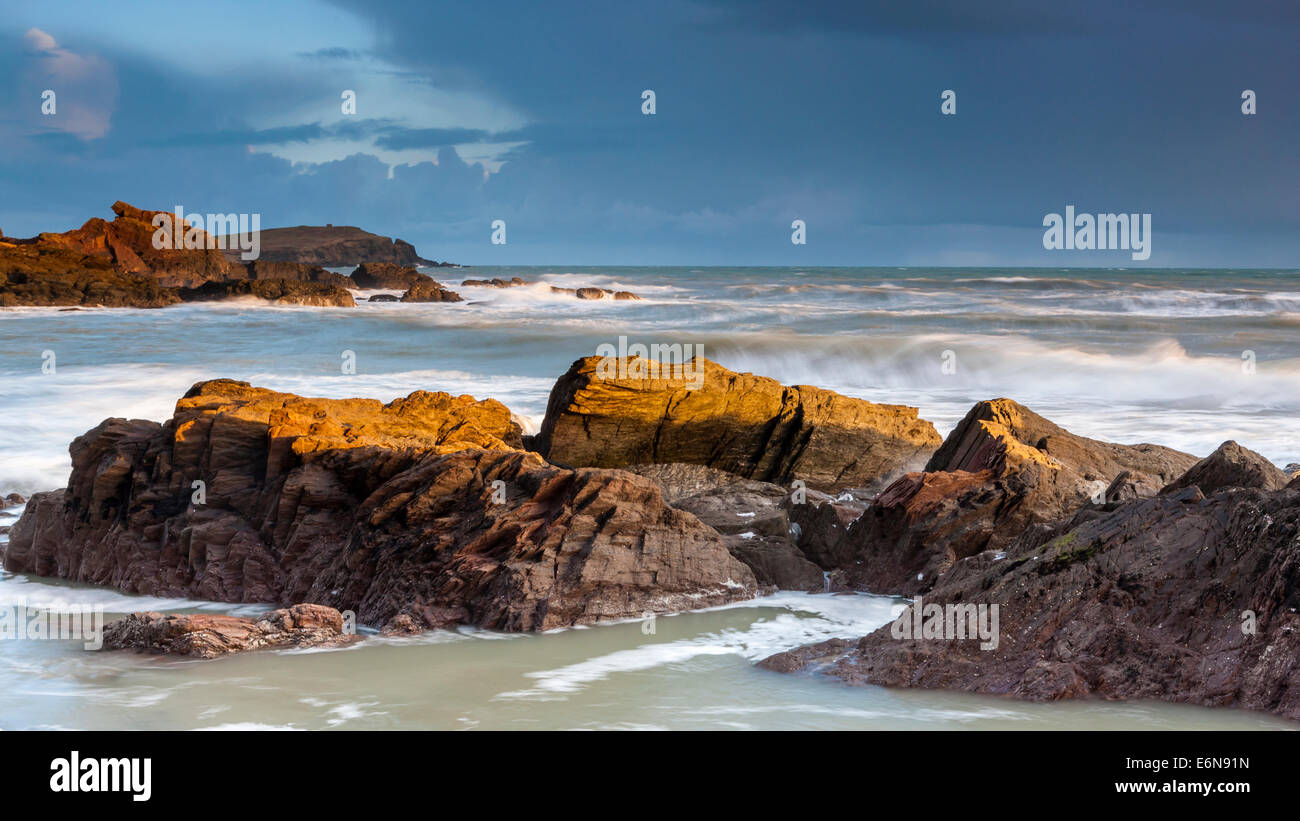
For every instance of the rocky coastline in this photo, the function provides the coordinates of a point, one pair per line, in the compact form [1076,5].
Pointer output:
[1119,571]
[115,265]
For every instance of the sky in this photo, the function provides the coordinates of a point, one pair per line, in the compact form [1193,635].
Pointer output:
[765,113]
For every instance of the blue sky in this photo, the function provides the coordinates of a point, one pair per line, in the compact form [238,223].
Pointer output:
[765,113]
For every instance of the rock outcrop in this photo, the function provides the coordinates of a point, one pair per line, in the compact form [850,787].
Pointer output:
[297,272]
[209,636]
[428,290]
[34,275]
[277,291]
[1230,465]
[387,275]
[750,515]
[419,513]
[1178,597]
[607,412]
[336,246]
[128,243]
[1001,470]
[116,264]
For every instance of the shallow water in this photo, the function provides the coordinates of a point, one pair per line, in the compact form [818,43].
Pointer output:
[1128,356]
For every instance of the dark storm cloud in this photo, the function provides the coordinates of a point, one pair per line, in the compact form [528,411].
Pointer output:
[766,112]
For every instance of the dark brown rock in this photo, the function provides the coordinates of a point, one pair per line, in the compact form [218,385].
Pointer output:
[387,275]
[336,246]
[750,515]
[420,513]
[1130,485]
[208,636]
[1001,470]
[513,282]
[278,291]
[429,291]
[820,522]
[604,414]
[298,272]
[41,275]
[1230,466]
[1179,597]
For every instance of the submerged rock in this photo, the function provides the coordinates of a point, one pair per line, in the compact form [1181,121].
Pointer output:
[613,414]
[278,291]
[209,636]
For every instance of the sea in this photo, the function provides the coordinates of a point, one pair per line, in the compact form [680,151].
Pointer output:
[1184,358]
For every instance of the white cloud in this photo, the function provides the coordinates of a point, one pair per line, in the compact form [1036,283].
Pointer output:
[85,86]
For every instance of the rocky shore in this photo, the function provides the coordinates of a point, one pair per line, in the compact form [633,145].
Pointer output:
[115,265]
[1189,595]
[1119,571]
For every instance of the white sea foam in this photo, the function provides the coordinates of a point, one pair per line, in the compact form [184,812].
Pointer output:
[807,618]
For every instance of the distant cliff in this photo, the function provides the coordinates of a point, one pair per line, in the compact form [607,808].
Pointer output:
[334,246]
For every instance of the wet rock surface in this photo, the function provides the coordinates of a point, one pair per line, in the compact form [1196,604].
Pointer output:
[209,636]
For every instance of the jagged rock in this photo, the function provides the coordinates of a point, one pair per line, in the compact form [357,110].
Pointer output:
[40,275]
[1002,469]
[418,513]
[14,499]
[336,246]
[429,291]
[208,636]
[1131,484]
[749,515]
[384,298]
[610,413]
[1178,598]
[820,521]
[1292,470]
[387,275]
[298,272]
[279,291]
[128,243]
[1230,466]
